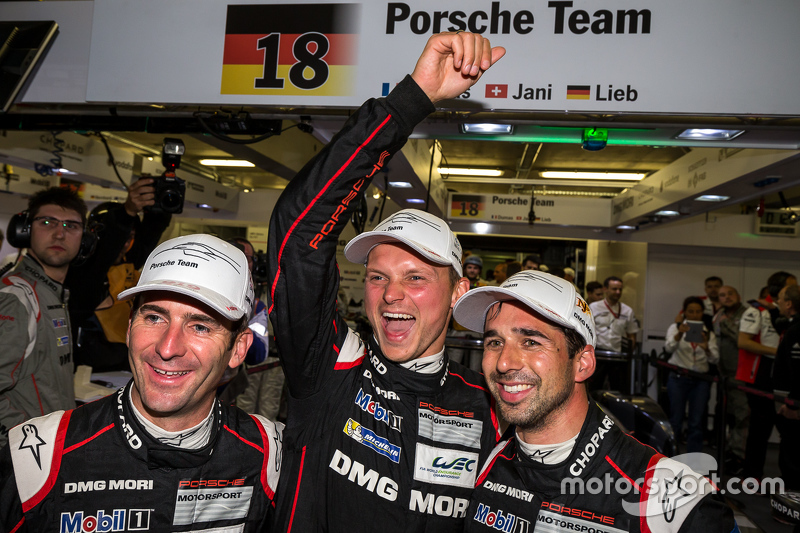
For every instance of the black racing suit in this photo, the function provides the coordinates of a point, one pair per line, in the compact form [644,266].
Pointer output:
[369,445]
[517,494]
[95,469]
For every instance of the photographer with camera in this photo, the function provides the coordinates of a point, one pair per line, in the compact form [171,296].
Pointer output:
[123,243]
[100,320]
[265,376]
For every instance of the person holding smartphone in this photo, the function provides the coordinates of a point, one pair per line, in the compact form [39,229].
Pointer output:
[693,352]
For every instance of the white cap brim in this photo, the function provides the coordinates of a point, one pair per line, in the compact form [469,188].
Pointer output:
[212,299]
[471,309]
[358,249]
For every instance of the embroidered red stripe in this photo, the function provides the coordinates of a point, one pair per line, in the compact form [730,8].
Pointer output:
[470,384]
[297,490]
[348,364]
[81,443]
[314,201]
[265,463]
[253,444]
[19,525]
[645,493]
[623,474]
[55,465]
[488,468]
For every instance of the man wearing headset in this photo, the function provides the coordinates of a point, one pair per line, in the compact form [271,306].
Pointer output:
[36,360]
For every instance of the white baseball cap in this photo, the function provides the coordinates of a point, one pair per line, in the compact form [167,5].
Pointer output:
[203,267]
[549,296]
[428,235]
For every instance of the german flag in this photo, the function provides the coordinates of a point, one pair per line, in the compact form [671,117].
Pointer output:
[298,49]
[467,205]
[579,92]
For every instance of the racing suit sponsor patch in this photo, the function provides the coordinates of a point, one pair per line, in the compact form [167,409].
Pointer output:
[368,405]
[207,505]
[445,467]
[450,429]
[59,323]
[116,520]
[62,341]
[501,520]
[369,439]
[549,522]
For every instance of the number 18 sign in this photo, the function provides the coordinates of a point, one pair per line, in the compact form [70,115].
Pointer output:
[290,49]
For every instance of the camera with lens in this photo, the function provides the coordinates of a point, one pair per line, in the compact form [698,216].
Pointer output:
[170,190]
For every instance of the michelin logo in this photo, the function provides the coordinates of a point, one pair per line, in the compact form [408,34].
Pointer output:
[369,439]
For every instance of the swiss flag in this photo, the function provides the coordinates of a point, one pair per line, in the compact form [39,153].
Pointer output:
[496,91]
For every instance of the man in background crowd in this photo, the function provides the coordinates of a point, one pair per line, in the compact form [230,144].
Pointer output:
[616,332]
[787,382]
[265,376]
[473,266]
[726,327]
[36,367]
[758,343]
[467,356]
[594,292]
[531,262]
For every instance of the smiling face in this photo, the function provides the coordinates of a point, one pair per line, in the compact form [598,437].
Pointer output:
[528,368]
[614,291]
[178,349]
[408,301]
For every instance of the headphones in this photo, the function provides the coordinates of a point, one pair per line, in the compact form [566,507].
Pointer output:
[19,235]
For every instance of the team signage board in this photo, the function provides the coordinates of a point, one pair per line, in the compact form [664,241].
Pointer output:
[517,209]
[682,56]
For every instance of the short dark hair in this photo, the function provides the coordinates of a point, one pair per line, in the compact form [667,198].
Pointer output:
[60,196]
[241,241]
[777,281]
[513,268]
[793,295]
[692,300]
[533,258]
[713,278]
[593,286]
[609,279]
[453,276]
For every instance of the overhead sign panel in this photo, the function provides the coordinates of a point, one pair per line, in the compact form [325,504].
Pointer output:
[683,56]
[512,208]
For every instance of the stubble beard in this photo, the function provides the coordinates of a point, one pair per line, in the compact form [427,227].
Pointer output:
[539,411]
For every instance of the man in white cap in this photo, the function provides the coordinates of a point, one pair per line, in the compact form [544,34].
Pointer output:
[382,432]
[162,453]
[539,341]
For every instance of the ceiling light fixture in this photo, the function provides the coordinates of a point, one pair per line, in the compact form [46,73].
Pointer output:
[711,198]
[627,176]
[488,128]
[708,134]
[415,201]
[667,213]
[626,227]
[400,184]
[226,163]
[485,172]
